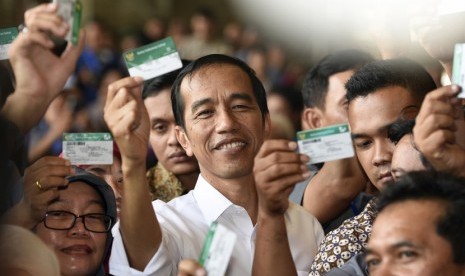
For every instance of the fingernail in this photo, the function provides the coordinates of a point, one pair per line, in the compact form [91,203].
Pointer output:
[304,168]
[304,158]
[200,272]
[67,162]
[292,145]
[306,175]
[456,88]
[138,79]
[51,6]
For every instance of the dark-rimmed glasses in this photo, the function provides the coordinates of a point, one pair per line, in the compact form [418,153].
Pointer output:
[64,220]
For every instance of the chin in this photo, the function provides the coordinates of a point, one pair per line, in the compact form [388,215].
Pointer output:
[181,169]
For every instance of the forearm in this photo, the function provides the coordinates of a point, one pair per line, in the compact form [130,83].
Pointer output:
[139,226]
[24,112]
[42,146]
[272,252]
[333,188]
[19,215]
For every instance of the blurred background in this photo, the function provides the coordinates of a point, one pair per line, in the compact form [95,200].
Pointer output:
[305,29]
[280,40]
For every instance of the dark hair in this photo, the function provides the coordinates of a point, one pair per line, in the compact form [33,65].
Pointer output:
[399,129]
[443,188]
[208,60]
[292,96]
[393,72]
[316,83]
[154,86]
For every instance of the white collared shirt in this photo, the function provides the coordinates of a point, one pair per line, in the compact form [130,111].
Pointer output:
[185,222]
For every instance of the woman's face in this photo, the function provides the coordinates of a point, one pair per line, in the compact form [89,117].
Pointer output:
[79,251]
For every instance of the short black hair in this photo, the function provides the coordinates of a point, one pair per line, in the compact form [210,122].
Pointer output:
[154,86]
[399,129]
[444,188]
[208,60]
[316,82]
[380,74]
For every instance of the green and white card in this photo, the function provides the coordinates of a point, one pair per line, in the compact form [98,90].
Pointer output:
[153,60]
[458,68]
[88,148]
[7,36]
[217,249]
[326,144]
[71,11]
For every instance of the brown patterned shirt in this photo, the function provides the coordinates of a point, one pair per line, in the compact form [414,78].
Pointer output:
[163,184]
[344,242]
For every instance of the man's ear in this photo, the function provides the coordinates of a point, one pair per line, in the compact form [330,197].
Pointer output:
[312,118]
[183,140]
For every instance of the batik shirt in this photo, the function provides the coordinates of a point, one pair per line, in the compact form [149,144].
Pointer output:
[163,184]
[344,242]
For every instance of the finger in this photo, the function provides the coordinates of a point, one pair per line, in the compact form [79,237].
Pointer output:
[280,157]
[72,53]
[437,122]
[35,37]
[43,8]
[128,83]
[191,267]
[270,146]
[48,161]
[43,198]
[435,142]
[281,171]
[127,120]
[444,93]
[48,23]
[53,182]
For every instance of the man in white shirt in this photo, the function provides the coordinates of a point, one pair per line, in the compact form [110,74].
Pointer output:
[222,118]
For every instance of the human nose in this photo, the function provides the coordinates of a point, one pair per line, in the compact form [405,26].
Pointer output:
[78,227]
[172,140]
[226,122]
[383,152]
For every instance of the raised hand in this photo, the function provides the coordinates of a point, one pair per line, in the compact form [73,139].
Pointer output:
[277,169]
[439,131]
[127,118]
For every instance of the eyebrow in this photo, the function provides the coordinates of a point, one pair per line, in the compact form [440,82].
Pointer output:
[382,128]
[93,201]
[236,95]
[396,245]
[197,104]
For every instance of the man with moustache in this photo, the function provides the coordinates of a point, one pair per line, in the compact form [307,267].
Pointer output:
[222,119]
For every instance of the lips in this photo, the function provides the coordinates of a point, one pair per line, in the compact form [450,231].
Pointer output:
[230,144]
[179,156]
[385,177]
[78,250]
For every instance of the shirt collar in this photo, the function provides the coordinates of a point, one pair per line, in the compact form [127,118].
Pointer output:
[210,201]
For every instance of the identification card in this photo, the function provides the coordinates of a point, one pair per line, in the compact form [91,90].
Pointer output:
[458,68]
[71,11]
[217,249]
[6,38]
[153,60]
[88,148]
[326,144]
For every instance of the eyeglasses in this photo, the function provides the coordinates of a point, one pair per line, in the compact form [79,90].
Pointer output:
[64,220]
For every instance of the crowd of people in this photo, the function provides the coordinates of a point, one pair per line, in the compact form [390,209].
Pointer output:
[222,131]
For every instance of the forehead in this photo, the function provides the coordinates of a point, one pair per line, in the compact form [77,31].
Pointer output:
[79,193]
[213,80]
[379,109]
[159,105]
[411,220]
